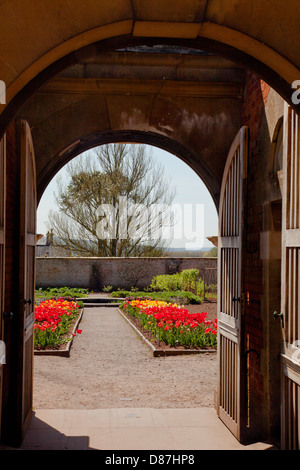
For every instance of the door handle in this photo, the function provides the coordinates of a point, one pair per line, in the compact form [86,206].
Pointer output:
[27,301]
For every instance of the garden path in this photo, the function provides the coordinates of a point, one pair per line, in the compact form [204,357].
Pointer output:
[112,394]
[110,367]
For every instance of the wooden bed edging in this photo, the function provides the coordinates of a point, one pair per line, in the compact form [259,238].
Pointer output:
[164,352]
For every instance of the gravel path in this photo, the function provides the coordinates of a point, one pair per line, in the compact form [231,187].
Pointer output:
[110,367]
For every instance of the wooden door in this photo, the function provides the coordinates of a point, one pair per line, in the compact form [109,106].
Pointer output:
[290,282]
[230,284]
[2,258]
[27,251]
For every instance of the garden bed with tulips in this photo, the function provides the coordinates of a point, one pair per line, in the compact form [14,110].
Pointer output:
[170,329]
[55,326]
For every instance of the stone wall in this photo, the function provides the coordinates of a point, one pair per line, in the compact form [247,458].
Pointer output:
[95,273]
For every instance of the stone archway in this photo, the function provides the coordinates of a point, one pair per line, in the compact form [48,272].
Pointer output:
[186,101]
[68,37]
[133,136]
[237,31]
[215,26]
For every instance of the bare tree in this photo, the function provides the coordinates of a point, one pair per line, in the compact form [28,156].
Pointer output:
[116,202]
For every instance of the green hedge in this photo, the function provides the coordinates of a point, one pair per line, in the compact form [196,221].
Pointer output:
[176,296]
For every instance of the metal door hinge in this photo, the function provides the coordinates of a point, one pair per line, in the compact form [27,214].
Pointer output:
[8,315]
[280,315]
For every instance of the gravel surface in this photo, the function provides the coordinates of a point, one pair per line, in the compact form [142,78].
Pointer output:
[110,367]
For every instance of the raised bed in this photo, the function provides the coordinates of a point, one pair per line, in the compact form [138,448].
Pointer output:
[157,348]
[62,349]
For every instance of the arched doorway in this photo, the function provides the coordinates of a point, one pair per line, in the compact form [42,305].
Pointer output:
[221,38]
[154,391]
[186,186]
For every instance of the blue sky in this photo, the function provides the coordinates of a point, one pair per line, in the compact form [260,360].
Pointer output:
[200,214]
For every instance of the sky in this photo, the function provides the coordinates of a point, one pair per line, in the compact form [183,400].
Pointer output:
[195,211]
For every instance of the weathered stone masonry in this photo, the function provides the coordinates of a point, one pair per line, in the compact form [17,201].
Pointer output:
[95,273]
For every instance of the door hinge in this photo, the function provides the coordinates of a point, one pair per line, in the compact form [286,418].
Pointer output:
[280,315]
[8,315]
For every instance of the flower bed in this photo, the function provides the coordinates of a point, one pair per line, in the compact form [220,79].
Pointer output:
[54,323]
[172,325]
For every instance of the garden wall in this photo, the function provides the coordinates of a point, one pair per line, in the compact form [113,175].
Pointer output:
[94,273]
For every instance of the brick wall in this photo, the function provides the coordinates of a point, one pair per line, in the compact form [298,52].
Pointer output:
[94,273]
[255,100]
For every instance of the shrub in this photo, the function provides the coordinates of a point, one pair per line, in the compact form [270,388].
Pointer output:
[166,282]
[107,288]
[189,280]
[186,280]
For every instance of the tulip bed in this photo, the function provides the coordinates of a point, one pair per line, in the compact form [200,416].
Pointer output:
[172,324]
[53,320]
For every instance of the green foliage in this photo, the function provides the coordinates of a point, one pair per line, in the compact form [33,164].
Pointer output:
[123,293]
[107,288]
[199,287]
[177,296]
[212,253]
[45,338]
[183,288]
[189,279]
[58,292]
[166,282]
[174,335]
[185,280]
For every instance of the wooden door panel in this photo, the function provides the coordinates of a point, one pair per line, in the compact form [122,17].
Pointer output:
[229,384]
[290,282]
[2,257]
[291,403]
[26,272]
[229,284]
[229,265]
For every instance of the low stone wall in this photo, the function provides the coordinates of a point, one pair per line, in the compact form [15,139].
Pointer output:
[95,273]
